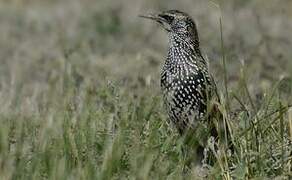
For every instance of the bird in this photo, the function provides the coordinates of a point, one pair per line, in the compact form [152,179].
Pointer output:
[189,91]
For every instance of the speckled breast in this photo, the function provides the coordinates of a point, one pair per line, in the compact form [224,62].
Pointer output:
[184,98]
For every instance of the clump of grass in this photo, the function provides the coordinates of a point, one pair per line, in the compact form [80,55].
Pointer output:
[103,132]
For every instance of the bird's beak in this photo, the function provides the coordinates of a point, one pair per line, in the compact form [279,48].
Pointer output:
[149,16]
[158,18]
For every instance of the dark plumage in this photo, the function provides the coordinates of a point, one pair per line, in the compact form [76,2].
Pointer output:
[186,83]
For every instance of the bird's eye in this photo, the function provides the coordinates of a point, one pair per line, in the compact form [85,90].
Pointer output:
[167,18]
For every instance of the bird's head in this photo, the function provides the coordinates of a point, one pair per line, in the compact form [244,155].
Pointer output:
[174,21]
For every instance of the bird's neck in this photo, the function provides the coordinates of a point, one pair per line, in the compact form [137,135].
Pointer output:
[185,38]
[183,49]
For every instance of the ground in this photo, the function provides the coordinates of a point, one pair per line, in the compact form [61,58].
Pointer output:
[80,98]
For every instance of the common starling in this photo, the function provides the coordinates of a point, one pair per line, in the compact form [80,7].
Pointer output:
[186,83]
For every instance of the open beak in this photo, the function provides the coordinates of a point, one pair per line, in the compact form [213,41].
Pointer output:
[149,16]
[155,17]
[158,18]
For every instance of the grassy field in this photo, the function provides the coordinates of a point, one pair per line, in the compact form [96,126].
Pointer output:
[80,99]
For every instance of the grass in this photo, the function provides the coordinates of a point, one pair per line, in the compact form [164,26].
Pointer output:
[80,99]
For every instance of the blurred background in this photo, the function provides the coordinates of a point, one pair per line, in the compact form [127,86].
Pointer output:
[104,40]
